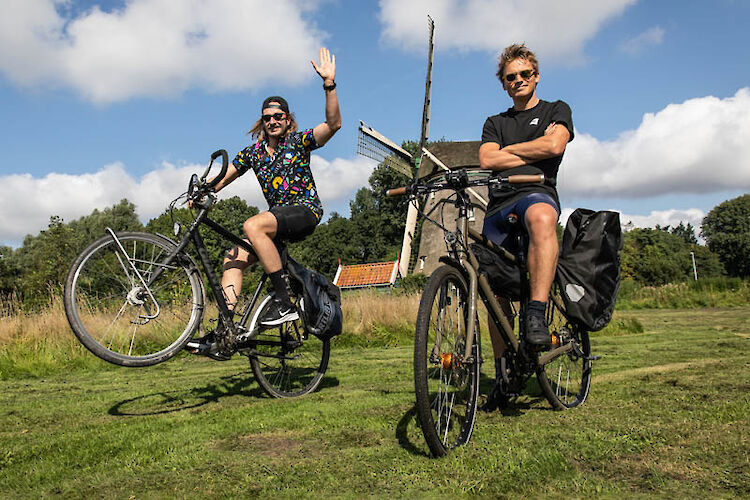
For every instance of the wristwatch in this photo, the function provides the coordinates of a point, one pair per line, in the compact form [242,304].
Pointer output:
[330,87]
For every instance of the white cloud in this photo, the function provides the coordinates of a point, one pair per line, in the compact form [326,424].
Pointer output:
[671,218]
[649,38]
[698,146]
[157,47]
[28,202]
[340,179]
[553,29]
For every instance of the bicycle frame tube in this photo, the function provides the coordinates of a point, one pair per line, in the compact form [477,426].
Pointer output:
[469,262]
[193,235]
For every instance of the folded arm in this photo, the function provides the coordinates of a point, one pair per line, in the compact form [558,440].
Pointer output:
[550,145]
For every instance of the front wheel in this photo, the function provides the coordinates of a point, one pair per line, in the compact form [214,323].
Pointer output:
[446,383]
[566,380]
[119,314]
[287,361]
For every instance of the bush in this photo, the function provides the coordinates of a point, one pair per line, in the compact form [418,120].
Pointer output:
[413,283]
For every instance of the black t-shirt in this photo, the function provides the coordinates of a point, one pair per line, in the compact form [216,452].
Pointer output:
[512,127]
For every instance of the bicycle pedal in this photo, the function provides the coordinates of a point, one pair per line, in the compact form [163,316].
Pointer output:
[592,358]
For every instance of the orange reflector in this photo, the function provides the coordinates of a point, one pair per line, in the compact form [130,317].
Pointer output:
[447,360]
[555,340]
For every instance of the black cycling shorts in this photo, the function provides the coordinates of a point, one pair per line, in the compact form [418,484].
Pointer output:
[294,222]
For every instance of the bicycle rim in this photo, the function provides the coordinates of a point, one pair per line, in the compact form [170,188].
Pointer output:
[566,380]
[446,384]
[293,362]
[116,316]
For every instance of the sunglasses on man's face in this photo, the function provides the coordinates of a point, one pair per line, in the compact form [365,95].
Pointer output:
[525,74]
[276,116]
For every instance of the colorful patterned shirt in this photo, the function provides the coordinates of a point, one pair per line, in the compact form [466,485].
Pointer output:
[286,179]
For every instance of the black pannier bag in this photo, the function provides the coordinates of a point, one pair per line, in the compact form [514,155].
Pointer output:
[504,276]
[321,301]
[588,271]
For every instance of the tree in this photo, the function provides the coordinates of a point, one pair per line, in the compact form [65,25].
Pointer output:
[331,241]
[230,213]
[10,271]
[726,229]
[658,256]
[45,261]
[687,233]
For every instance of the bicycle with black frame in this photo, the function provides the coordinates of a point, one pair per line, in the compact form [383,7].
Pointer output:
[136,299]
[447,354]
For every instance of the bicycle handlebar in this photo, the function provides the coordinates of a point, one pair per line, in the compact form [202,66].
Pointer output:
[224,167]
[463,182]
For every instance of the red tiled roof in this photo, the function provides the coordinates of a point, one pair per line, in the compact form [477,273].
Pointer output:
[360,275]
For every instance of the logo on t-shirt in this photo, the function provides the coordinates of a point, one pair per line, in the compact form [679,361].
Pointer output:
[535,121]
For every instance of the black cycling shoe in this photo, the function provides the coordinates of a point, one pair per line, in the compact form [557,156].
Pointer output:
[279,313]
[495,400]
[537,333]
[207,346]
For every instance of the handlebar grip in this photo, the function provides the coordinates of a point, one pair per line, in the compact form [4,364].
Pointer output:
[224,166]
[400,191]
[526,179]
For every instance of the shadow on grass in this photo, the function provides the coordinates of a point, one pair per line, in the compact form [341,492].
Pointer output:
[178,400]
[531,397]
[406,439]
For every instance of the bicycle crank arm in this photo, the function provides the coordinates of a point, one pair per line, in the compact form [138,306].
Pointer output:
[556,353]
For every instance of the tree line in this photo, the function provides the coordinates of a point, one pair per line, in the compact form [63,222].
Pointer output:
[372,233]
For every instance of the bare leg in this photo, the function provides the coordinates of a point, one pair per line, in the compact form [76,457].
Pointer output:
[235,262]
[260,230]
[541,221]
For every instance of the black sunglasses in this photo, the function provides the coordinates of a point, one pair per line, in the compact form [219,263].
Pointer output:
[525,74]
[276,116]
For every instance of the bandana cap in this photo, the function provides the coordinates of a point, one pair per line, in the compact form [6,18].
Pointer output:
[282,104]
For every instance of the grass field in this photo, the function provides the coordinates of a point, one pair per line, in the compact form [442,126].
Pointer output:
[668,416]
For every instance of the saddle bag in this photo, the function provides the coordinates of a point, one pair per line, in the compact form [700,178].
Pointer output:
[321,301]
[504,276]
[588,271]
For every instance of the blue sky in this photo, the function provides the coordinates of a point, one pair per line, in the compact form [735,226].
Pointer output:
[104,100]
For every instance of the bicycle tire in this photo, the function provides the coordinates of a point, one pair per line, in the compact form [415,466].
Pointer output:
[566,380]
[292,369]
[446,387]
[109,309]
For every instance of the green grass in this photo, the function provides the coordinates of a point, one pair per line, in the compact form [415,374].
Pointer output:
[668,416]
[705,292]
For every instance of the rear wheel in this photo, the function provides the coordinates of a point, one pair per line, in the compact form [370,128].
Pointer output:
[120,319]
[566,379]
[445,381]
[287,361]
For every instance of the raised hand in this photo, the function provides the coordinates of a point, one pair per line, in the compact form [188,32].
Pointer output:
[326,68]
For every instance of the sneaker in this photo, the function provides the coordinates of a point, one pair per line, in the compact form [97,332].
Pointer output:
[279,313]
[537,333]
[207,346]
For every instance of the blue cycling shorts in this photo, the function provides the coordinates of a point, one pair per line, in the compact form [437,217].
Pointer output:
[496,227]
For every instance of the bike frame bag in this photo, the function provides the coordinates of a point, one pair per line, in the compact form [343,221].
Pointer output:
[504,276]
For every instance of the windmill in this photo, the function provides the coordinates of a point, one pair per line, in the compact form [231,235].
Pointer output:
[376,146]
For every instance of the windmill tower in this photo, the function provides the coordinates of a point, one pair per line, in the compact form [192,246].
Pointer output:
[376,146]
[411,214]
